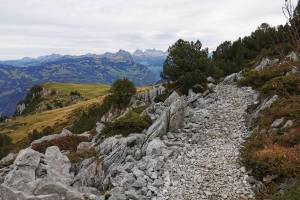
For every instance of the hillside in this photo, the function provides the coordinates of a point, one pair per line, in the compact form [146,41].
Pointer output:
[19,127]
[15,81]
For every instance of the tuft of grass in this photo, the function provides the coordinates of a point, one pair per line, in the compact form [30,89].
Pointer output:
[282,85]
[76,157]
[19,127]
[257,79]
[292,193]
[132,122]
[288,107]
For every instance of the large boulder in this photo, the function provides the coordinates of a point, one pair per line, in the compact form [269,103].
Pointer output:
[263,64]
[57,166]
[23,177]
[293,57]
[7,193]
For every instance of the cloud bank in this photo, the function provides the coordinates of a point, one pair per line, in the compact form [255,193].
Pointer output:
[35,27]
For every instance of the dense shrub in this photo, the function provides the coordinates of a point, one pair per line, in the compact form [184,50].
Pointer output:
[76,157]
[286,107]
[75,93]
[283,85]
[257,79]
[292,193]
[132,122]
[122,90]
[35,135]
[186,65]
[121,93]
[162,97]
[4,142]
[32,99]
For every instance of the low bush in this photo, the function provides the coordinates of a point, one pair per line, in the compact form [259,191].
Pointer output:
[283,85]
[257,79]
[292,193]
[162,97]
[286,107]
[122,91]
[35,135]
[76,157]
[132,122]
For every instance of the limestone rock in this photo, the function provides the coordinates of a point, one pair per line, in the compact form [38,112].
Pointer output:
[277,123]
[263,64]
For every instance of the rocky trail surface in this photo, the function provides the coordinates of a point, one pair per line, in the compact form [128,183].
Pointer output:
[207,166]
[190,152]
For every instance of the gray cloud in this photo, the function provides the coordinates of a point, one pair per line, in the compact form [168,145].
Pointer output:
[35,27]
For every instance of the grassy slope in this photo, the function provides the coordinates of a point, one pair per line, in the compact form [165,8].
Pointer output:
[88,91]
[19,127]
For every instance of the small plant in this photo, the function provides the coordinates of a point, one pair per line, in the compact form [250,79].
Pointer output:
[75,93]
[76,157]
[257,79]
[132,122]
[292,193]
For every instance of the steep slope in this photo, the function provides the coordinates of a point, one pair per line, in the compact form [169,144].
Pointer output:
[16,81]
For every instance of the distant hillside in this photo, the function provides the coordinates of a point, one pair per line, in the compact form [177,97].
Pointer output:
[15,81]
[51,96]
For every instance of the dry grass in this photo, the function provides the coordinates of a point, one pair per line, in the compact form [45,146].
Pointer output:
[88,91]
[19,127]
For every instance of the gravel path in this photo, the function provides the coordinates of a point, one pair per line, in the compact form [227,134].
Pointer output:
[209,169]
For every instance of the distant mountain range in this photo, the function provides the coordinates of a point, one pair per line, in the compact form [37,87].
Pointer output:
[18,76]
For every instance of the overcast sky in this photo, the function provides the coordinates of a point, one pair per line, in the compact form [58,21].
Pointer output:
[40,27]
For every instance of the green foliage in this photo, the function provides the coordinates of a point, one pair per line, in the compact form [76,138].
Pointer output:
[4,142]
[283,85]
[32,99]
[231,57]
[257,79]
[76,157]
[75,93]
[122,90]
[162,97]
[35,135]
[187,64]
[87,120]
[292,193]
[132,122]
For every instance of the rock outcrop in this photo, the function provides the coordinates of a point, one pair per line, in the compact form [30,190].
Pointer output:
[189,152]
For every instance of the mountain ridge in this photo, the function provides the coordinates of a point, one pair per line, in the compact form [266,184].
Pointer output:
[15,81]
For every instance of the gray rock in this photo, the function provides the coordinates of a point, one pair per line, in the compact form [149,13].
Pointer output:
[263,64]
[288,124]
[7,193]
[22,177]
[278,123]
[230,79]
[293,57]
[210,79]
[211,87]
[84,147]
[155,147]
